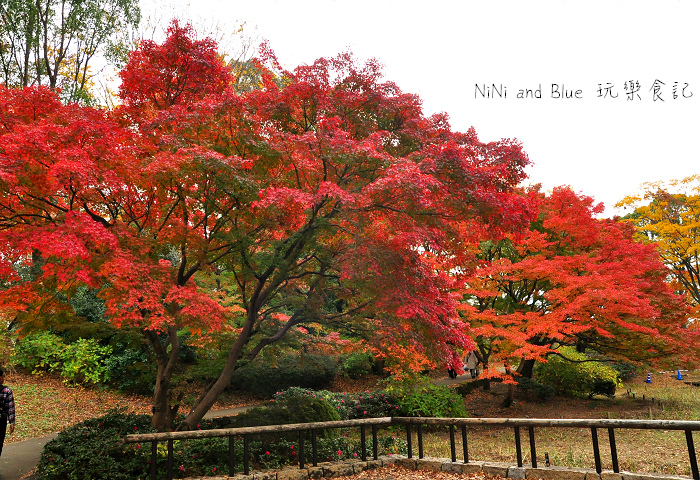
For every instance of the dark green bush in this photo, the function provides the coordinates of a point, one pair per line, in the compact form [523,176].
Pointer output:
[130,370]
[93,450]
[302,409]
[263,378]
[421,398]
[349,406]
[603,387]
[580,377]
[356,365]
[534,390]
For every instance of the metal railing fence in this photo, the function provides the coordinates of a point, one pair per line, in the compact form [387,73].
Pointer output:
[247,433]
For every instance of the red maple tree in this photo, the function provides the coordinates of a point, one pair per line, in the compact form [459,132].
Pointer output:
[573,280]
[327,196]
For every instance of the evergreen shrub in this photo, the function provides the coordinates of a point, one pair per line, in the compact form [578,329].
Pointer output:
[580,377]
[297,370]
[419,397]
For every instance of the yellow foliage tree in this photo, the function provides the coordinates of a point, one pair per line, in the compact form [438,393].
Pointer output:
[668,214]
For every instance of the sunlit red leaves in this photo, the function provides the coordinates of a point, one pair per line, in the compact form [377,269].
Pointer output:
[573,277]
[179,71]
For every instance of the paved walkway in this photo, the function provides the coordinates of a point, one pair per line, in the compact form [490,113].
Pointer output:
[20,458]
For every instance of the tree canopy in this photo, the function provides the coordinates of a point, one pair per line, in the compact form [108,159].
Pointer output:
[668,216]
[327,196]
[574,280]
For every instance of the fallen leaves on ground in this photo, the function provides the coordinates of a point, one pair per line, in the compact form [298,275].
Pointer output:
[45,405]
[397,472]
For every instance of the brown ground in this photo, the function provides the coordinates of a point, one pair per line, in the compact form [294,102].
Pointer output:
[396,472]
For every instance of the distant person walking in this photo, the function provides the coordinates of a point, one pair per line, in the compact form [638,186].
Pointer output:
[470,363]
[7,409]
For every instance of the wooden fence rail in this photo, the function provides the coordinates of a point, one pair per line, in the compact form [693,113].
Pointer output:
[463,423]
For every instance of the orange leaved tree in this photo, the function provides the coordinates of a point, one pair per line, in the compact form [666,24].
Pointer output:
[575,280]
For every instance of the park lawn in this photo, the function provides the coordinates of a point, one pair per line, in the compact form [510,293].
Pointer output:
[651,451]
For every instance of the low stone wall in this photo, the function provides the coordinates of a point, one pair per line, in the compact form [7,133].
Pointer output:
[350,467]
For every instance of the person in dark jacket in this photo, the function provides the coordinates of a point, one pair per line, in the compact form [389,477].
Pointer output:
[7,409]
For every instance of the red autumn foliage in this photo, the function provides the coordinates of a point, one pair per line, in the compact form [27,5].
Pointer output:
[326,199]
[179,71]
[574,280]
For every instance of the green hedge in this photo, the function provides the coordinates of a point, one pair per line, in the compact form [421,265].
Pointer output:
[94,450]
[264,378]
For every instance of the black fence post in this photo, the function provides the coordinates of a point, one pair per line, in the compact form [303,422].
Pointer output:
[154,460]
[518,450]
[613,450]
[533,450]
[596,450]
[420,440]
[363,442]
[409,440]
[375,447]
[465,446]
[453,450]
[170,460]
[691,454]
[301,448]
[231,457]
[246,454]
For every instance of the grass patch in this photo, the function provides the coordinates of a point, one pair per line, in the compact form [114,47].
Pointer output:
[649,451]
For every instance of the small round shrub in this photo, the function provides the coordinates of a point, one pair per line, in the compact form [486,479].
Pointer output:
[421,398]
[534,390]
[83,362]
[262,378]
[580,377]
[356,365]
[301,409]
[373,404]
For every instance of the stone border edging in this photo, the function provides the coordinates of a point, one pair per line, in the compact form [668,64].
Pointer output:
[351,467]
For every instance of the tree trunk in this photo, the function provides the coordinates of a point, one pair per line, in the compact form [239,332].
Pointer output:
[525,368]
[510,393]
[207,399]
[163,411]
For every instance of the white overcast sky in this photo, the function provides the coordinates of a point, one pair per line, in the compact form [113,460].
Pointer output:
[440,50]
